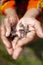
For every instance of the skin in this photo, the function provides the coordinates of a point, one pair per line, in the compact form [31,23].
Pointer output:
[34,28]
[14,47]
[10,20]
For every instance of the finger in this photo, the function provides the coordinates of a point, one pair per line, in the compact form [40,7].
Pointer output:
[22,42]
[17,52]
[13,20]
[27,39]
[7,26]
[3,37]
[10,51]
[38,28]
[14,42]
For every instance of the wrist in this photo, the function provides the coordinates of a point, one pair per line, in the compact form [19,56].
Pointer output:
[33,12]
[10,11]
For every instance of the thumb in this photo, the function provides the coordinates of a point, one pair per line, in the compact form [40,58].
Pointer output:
[7,26]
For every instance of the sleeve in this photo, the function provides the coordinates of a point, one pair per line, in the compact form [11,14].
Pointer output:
[33,4]
[7,4]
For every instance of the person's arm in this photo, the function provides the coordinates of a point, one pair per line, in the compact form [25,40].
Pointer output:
[30,15]
[9,10]
[10,19]
[34,6]
[33,12]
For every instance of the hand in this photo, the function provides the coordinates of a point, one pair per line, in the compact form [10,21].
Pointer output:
[27,28]
[25,31]
[7,23]
[9,45]
[10,20]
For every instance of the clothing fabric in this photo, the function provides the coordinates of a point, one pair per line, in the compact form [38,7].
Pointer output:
[22,3]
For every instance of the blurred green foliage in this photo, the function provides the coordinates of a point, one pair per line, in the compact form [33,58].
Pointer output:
[31,55]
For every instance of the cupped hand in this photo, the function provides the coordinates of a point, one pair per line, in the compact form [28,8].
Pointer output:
[7,23]
[25,31]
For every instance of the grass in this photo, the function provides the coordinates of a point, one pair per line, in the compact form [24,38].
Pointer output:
[30,56]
